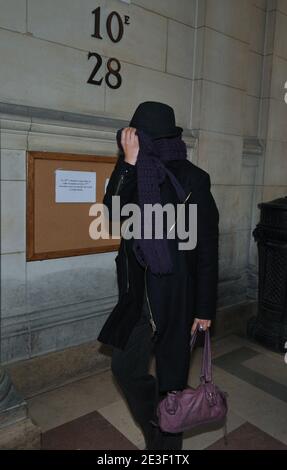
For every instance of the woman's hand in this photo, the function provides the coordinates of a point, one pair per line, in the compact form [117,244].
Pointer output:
[204,323]
[130,144]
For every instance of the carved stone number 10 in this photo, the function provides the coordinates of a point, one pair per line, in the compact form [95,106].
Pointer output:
[112,70]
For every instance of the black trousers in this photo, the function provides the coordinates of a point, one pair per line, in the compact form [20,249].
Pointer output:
[130,368]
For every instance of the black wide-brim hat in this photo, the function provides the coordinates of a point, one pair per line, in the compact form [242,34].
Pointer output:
[156,119]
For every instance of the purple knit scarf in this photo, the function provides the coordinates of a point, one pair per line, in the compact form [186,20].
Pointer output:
[151,172]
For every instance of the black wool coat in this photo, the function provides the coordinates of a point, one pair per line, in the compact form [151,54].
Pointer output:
[174,300]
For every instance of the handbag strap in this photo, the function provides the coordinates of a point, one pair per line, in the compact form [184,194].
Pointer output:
[206,366]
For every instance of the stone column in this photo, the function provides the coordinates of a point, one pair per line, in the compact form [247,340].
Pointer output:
[17,431]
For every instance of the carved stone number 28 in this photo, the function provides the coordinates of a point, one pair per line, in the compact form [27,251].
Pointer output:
[113,64]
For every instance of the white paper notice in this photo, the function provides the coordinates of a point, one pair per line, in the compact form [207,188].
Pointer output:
[75,186]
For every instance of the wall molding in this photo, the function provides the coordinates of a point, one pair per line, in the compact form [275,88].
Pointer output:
[38,122]
[253,149]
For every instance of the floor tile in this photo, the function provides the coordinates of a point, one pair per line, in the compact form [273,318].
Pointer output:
[254,405]
[90,432]
[201,438]
[92,412]
[248,437]
[119,416]
[234,363]
[267,366]
[248,342]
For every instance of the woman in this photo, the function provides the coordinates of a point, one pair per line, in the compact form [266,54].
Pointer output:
[164,292]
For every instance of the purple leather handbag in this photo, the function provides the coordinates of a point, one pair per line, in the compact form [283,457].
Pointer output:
[183,410]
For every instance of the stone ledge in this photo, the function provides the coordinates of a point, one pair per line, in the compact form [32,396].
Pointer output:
[233,319]
[43,373]
[21,435]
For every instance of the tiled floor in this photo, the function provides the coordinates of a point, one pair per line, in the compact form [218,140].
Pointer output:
[92,414]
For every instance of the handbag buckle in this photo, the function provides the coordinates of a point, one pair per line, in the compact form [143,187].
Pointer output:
[211,398]
[171,402]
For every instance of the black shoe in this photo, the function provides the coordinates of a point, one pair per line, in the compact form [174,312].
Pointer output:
[151,435]
[171,441]
[162,440]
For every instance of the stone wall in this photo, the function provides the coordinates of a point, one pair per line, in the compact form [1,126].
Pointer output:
[270,176]
[219,63]
[50,305]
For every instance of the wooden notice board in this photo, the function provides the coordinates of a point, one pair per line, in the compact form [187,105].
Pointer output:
[60,229]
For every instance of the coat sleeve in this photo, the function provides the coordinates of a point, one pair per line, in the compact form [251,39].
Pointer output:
[207,251]
[122,183]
